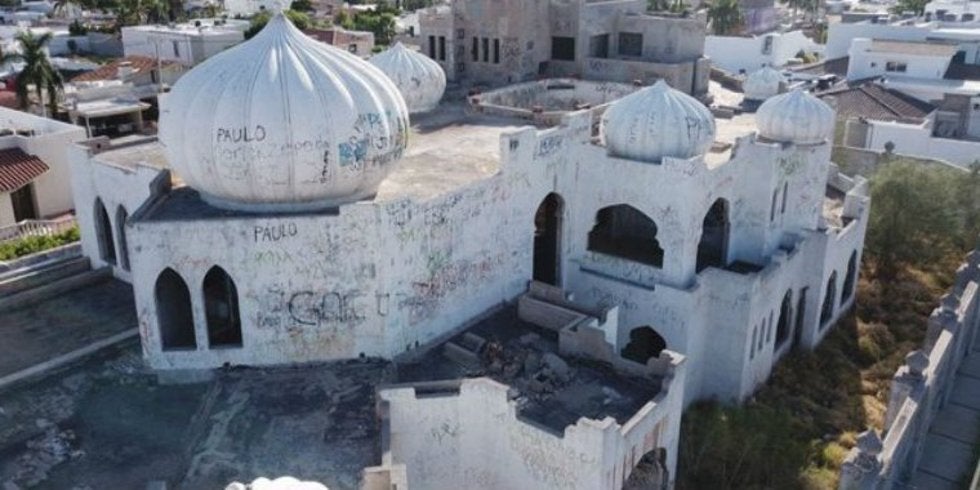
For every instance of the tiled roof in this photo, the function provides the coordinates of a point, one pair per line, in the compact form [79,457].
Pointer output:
[18,169]
[108,71]
[873,101]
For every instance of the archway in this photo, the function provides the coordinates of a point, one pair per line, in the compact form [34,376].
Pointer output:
[783,324]
[174,316]
[121,217]
[645,343]
[103,231]
[850,278]
[827,311]
[713,247]
[800,316]
[624,231]
[547,239]
[221,309]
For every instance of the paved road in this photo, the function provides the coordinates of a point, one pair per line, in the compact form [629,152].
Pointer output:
[949,455]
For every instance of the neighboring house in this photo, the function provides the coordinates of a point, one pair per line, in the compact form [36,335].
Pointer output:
[35,178]
[510,41]
[148,76]
[740,53]
[871,58]
[360,43]
[187,44]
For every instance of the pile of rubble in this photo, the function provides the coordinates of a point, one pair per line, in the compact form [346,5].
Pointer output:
[44,452]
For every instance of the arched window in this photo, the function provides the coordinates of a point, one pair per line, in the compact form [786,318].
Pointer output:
[221,309]
[783,324]
[827,311]
[623,231]
[772,209]
[174,316]
[103,231]
[121,217]
[713,247]
[755,332]
[547,240]
[848,290]
[645,343]
[782,207]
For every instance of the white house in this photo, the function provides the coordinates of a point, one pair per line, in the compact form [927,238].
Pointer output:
[741,53]
[899,59]
[35,178]
[187,44]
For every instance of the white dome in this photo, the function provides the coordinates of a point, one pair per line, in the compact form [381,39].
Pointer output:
[420,80]
[796,117]
[283,123]
[657,122]
[762,84]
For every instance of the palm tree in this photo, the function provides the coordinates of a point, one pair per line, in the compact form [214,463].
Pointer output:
[136,12]
[725,16]
[37,71]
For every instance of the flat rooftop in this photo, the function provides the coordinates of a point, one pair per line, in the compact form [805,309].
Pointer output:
[522,356]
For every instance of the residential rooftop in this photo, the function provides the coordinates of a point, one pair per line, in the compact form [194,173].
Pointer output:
[872,101]
[913,48]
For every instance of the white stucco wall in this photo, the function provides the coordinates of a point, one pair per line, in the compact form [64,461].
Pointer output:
[865,63]
[736,53]
[917,140]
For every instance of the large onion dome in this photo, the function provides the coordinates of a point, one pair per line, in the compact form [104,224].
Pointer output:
[657,122]
[762,84]
[283,123]
[795,117]
[420,79]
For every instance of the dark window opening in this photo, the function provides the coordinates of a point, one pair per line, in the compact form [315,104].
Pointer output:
[432,47]
[442,48]
[772,209]
[848,290]
[475,49]
[22,200]
[713,247]
[645,343]
[800,314]
[631,44]
[896,66]
[496,51]
[486,49]
[782,207]
[623,231]
[827,311]
[755,332]
[174,317]
[785,312]
[103,228]
[547,240]
[650,472]
[563,48]
[221,309]
[599,46]
[121,217]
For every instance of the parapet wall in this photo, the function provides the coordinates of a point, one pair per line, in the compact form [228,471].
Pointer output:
[919,389]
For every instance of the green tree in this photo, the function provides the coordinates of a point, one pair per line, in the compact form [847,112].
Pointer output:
[136,12]
[914,217]
[38,71]
[725,17]
[916,6]
[299,19]
[301,6]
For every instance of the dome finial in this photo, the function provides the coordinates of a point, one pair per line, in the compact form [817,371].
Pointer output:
[280,6]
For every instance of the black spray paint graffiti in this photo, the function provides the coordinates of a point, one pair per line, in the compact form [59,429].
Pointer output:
[240,135]
[312,308]
[274,233]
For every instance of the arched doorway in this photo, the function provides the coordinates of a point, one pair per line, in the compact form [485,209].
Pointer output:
[121,217]
[103,231]
[624,231]
[850,278]
[827,311]
[174,315]
[645,343]
[713,247]
[783,324]
[221,309]
[547,239]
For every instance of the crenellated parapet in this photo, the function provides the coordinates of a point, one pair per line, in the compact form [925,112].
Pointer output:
[919,389]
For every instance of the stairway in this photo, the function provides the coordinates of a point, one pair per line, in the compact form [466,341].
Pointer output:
[46,279]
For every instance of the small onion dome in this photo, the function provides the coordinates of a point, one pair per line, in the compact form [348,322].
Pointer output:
[795,117]
[420,80]
[283,123]
[657,122]
[762,84]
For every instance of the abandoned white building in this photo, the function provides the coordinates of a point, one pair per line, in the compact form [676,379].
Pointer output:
[515,40]
[308,219]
